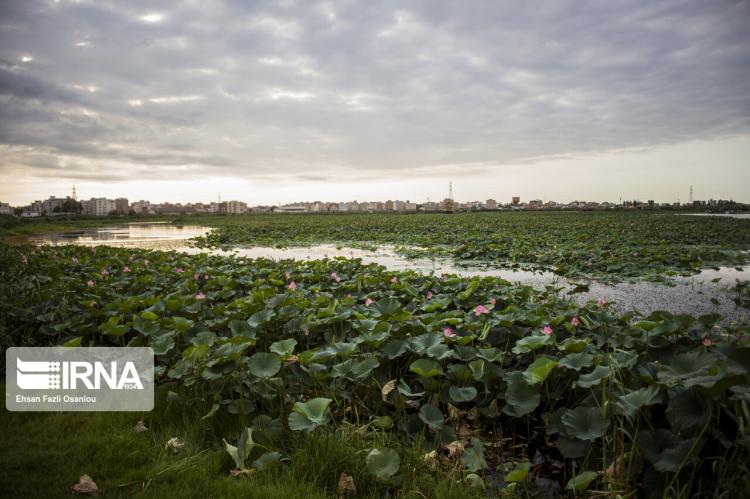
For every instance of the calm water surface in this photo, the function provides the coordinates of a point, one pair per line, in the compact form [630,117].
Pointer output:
[692,295]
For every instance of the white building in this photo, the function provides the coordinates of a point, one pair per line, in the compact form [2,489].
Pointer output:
[234,207]
[142,207]
[290,209]
[5,209]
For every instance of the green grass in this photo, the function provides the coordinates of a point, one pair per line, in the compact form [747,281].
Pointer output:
[43,454]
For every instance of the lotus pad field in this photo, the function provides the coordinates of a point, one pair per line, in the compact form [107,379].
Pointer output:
[494,388]
[600,245]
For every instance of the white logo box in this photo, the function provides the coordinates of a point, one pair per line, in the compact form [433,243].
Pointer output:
[79,379]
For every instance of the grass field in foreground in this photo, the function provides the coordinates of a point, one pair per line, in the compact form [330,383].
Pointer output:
[43,454]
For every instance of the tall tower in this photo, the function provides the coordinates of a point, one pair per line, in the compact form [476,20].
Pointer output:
[450,189]
[75,196]
[691,193]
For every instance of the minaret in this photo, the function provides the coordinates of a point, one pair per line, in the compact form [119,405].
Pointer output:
[75,196]
[691,193]
[450,190]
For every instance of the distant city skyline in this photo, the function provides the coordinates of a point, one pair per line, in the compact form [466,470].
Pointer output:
[299,101]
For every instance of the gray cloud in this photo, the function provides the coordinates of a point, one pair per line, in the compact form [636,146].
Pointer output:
[342,88]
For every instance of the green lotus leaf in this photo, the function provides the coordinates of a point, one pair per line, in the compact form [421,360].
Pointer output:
[577,361]
[241,328]
[431,416]
[394,349]
[181,324]
[665,450]
[538,371]
[386,307]
[521,397]
[266,428]
[306,416]
[162,343]
[462,394]
[245,445]
[531,343]
[406,390]
[261,318]
[630,403]
[426,368]
[264,364]
[477,369]
[383,422]
[594,377]
[518,473]
[436,303]
[204,338]
[581,481]
[573,345]
[473,456]
[284,348]
[383,463]
[689,369]
[423,342]
[491,354]
[687,409]
[147,327]
[363,368]
[440,352]
[585,423]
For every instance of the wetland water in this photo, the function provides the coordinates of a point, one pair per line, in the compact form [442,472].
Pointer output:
[692,295]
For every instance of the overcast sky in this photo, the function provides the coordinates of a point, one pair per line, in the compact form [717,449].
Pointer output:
[278,101]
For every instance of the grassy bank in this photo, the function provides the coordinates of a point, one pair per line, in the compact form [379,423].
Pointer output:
[43,454]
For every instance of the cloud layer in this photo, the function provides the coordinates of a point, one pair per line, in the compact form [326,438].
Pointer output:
[345,90]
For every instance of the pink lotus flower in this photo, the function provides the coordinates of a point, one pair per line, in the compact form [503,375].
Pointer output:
[200,296]
[90,283]
[493,301]
[105,273]
[179,270]
[448,333]
[126,269]
[707,342]
[335,277]
[368,302]
[75,260]
[480,309]
[146,262]
[205,277]
[394,280]
[575,321]
[131,258]
[429,295]
[287,275]
[599,303]
[547,330]
[292,286]
[196,276]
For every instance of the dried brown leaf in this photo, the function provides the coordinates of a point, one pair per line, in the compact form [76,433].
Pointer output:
[346,485]
[387,389]
[455,448]
[85,486]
